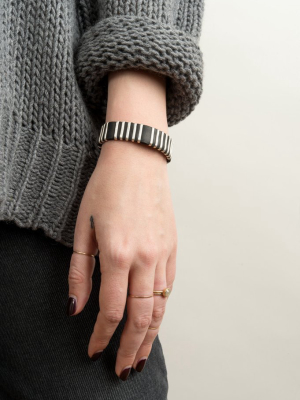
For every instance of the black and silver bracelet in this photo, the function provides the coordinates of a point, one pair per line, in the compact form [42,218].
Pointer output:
[138,133]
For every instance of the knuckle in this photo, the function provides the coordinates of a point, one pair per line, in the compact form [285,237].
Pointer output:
[99,341]
[124,352]
[121,258]
[147,345]
[76,276]
[158,313]
[148,255]
[113,316]
[165,250]
[142,322]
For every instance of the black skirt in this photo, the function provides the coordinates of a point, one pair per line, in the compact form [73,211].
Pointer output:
[43,352]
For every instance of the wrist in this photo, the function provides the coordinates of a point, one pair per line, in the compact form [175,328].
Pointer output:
[126,152]
[141,134]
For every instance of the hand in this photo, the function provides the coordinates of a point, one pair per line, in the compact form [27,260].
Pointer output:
[129,201]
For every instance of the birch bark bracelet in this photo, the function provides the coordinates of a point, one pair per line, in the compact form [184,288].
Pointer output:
[138,133]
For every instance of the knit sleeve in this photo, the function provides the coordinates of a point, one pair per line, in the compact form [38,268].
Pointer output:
[156,35]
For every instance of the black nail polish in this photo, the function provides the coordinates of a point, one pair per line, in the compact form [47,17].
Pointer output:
[125,373]
[96,355]
[140,365]
[71,306]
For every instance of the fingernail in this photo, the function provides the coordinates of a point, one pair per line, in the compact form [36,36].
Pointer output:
[140,365]
[71,306]
[125,373]
[96,355]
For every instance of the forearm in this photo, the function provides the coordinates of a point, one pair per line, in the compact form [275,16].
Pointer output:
[135,96]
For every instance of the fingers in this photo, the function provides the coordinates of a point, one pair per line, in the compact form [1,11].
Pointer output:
[112,301]
[159,304]
[164,277]
[139,314]
[81,265]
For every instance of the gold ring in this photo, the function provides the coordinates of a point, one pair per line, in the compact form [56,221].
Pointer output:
[81,252]
[131,295]
[151,327]
[165,292]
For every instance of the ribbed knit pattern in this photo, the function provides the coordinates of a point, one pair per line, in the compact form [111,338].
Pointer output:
[55,56]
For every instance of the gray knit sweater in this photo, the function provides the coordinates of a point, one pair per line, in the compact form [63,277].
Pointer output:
[55,56]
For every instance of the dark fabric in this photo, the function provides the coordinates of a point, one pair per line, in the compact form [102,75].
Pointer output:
[43,352]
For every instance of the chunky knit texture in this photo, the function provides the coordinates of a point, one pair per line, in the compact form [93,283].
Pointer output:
[55,57]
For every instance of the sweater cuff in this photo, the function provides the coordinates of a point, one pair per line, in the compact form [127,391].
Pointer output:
[122,42]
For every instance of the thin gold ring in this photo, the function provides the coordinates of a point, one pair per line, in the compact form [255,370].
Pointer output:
[151,327]
[165,293]
[86,254]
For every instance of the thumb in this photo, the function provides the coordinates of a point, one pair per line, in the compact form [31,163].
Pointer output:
[81,265]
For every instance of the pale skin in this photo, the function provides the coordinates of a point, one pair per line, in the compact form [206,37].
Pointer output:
[127,214]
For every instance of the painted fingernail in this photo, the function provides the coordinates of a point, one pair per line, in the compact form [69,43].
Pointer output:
[96,355]
[71,306]
[140,365]
[125,373]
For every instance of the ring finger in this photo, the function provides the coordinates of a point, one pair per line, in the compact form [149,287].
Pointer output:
[139,315]
[162,280]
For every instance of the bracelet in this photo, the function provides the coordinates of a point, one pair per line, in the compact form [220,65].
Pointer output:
[138,133]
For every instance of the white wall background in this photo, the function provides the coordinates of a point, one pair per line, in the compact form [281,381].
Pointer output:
[232,326]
